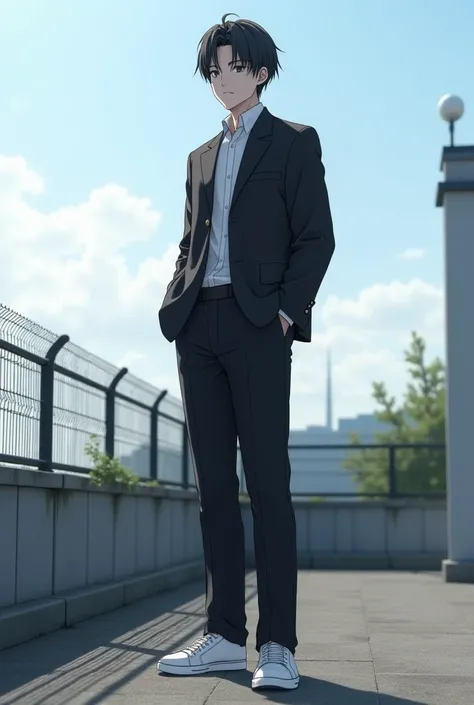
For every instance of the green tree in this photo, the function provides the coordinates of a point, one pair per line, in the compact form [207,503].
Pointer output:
[419,419]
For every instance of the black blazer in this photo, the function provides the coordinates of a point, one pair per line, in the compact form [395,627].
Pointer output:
[280,228]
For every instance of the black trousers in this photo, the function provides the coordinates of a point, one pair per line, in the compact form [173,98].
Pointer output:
[235,382]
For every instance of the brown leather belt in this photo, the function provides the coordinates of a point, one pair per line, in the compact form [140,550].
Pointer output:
[214,293]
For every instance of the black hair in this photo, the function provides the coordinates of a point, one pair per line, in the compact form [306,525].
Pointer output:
[250,43]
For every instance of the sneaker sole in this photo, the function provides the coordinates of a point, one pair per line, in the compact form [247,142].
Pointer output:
[278,683]
[205,668]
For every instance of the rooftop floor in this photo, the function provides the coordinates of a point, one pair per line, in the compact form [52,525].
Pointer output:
[366,638]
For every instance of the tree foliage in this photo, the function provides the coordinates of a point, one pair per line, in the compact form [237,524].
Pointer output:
[419,419]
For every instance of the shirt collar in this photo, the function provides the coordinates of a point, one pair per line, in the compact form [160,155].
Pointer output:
[246,120]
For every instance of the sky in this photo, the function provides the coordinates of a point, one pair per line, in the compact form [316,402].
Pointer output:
[99,109]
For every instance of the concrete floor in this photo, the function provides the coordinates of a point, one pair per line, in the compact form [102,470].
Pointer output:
[365,638]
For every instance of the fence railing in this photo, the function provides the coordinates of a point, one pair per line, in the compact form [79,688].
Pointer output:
[367,470]
[55,395]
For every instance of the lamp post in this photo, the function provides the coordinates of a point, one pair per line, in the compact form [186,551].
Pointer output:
[456,197]
[451,109]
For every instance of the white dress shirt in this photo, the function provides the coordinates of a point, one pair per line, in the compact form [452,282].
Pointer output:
[228,163]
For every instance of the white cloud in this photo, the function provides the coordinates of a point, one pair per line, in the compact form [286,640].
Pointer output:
[412,253]
[68,270]
[367,336]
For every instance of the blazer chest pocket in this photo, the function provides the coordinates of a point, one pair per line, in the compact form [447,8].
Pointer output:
[264,175]
[272,272]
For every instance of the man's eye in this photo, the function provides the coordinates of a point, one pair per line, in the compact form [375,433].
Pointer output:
[238,69]
[214,74]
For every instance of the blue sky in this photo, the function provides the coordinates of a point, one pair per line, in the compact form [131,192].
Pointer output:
[103,90]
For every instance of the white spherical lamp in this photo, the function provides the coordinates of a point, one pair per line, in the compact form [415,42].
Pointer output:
[451,108]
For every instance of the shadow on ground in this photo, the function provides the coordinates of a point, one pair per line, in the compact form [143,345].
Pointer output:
[312,691]
[118,646]
[111,659]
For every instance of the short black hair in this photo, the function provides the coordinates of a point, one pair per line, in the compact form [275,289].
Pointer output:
[250,43]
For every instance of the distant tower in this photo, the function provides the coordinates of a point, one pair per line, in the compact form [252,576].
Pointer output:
[329,394]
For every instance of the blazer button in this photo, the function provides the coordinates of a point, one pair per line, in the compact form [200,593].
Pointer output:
[207,223]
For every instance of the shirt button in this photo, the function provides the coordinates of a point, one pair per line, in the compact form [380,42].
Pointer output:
[228,176]
[225,234]
[227,207]
[207,223]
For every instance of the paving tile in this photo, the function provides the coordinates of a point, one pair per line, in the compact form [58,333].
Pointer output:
[450,655]
[418,630]
[322,683]
[425,690]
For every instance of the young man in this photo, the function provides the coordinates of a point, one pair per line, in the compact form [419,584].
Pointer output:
[258,239]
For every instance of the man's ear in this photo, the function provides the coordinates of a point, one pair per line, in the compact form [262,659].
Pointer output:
[262,75]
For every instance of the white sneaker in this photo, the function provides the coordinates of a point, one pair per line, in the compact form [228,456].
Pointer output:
[276,668]
[208,653]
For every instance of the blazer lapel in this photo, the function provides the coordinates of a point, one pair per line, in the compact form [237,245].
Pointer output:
[208,167]
[258,142]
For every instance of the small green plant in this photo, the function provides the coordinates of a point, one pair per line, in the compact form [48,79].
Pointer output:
[108,470]
[151,483]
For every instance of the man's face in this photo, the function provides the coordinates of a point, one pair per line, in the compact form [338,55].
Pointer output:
[233,83]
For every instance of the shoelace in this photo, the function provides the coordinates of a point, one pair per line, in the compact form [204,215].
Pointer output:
[274,653]
[200,643]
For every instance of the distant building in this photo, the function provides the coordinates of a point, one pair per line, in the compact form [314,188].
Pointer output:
[321,470]
[365,425]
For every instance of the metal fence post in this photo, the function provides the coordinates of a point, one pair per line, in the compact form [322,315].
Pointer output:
[392,472]
[47,404]
[185,459]
[154,435]
[110,412]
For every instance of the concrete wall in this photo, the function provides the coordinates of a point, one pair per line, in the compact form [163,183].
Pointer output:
[70,550]
[404,534]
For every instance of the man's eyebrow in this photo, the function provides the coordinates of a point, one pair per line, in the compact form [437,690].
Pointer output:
[213,67]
